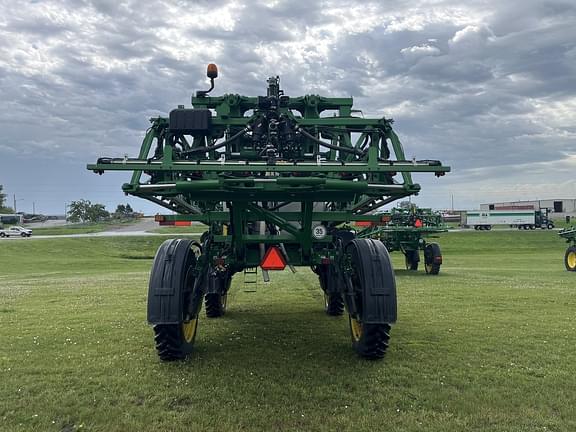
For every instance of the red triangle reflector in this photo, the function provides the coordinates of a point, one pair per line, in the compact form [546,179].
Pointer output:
[273,260]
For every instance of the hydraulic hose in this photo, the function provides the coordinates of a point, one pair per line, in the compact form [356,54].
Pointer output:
[219,145]
[328,145]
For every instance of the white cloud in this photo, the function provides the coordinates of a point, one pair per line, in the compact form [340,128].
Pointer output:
[419,51]
[488,87]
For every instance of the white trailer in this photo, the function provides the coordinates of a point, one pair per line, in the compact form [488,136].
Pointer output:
[485,219]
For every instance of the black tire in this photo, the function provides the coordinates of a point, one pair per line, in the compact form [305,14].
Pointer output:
[333,300]
[334,304]
[174,342]
[373,271]
[432,258]
[570,258]
[23,234]
[172,269]
[550,226]
[2,235]
[370,340]
[412,257]
[532,227]
[215,304]
[322,272]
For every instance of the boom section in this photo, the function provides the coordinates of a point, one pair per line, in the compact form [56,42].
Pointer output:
[270,149]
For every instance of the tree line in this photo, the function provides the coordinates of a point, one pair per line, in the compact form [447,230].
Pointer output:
[82,210]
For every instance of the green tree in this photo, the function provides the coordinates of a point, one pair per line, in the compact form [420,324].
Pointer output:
[84,211]
[3,208]
[124,211]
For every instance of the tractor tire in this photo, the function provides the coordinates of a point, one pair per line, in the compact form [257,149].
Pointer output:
[369,340]
[333,300]
[374,306]
[532,227]
[322,272]
[570,258]
[412,258]
[172,271]
[432,258]
[333,304]
[173,341]
[215,305]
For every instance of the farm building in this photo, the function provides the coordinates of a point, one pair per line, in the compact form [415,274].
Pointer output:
[559,208]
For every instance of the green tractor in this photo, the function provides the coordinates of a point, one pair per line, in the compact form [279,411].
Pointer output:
[569,234]
[406,230]
[274,177]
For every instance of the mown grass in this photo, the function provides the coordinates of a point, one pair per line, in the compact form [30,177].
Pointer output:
[486,345]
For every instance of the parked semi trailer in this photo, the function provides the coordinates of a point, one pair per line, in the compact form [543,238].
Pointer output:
[521,219]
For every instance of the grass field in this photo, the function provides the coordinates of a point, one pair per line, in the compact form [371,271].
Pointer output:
[82,228]
[488,345]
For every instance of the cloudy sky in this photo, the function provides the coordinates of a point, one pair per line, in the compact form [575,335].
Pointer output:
[488,87]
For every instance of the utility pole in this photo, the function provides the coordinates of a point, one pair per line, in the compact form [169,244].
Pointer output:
[15,211]
[33,207]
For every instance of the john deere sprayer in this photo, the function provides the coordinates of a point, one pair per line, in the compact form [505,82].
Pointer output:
[405,230]
[569,234]
[275,178]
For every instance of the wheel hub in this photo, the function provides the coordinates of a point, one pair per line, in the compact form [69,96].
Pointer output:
[189,329]
[356,328]
[572,260]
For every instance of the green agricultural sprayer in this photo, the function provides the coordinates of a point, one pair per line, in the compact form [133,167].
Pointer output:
[570,256]
[274,178]
[405,230]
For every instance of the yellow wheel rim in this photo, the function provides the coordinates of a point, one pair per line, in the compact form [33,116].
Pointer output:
[571,259]
[189,329]
[356,329]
